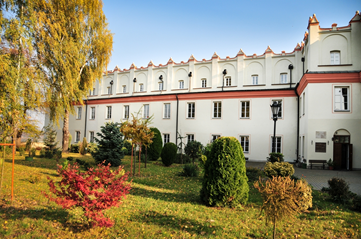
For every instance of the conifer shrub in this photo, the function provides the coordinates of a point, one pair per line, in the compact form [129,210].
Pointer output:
[202,161]
[74,148]
[155,148]
[283,198]
[225,180]
[182,157]
[275,157]
[338,190]
[193,149]
[110,144]
[207,150]
[92,147]
[83,147]
[169,153]
[276,169]
[190,170]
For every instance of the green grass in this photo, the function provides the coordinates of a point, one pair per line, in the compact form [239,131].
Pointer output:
[161,204]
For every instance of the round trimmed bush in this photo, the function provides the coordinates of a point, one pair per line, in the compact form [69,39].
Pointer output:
[190,170]
[155,148]
[169,153]
[225,179]
[193,149]
[276,169]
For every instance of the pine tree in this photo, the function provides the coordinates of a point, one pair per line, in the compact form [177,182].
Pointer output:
[110,144]
[50,138]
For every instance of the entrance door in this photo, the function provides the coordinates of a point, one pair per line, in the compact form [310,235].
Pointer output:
[342,152]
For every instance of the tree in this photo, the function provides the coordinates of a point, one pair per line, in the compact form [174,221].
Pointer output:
[193,149]
[155,148]
[73,47]
[50,137]
[110,144]
[225,179]
[169,152]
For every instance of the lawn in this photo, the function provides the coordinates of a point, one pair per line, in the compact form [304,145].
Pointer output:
[161,204]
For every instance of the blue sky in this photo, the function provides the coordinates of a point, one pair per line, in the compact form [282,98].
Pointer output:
[157,30]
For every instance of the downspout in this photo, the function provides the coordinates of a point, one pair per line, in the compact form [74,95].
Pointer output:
[298,122]
[176,122]
[290,67]
[85,116]
[303,65]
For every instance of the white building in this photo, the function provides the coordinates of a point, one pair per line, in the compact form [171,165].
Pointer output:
[318,85]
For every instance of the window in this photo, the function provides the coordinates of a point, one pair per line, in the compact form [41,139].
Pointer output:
[146,112]
[109,112]
[181,84]
[190,137]
[245,143]
[141,87]
[92,113]
[217,110]
[160,84]
[78,113]
[166,111]
[215,136]
[228,81]
[303,103]
[278,144]
[342,99]
[77,136]
[124,88]
[191,111]
[280,109]
[126,112]
[283,78]
[166,138]
[204,83]
[92,92]
[255,80]
[244,109]
[91,136]
[335,57]
[109,90]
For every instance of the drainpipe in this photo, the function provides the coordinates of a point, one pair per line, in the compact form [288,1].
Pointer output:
[176,124]
[85,116]
[290,67]
[303,65]
[298,121]
[190,81]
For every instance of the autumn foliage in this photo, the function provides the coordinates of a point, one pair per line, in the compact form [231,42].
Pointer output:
[93,191]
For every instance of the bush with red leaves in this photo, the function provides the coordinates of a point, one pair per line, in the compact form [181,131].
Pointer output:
[93,191]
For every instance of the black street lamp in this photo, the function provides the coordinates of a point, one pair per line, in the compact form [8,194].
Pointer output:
[224,74]
[111,86]
[275,107]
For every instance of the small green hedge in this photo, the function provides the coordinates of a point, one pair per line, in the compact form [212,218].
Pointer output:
[276,169]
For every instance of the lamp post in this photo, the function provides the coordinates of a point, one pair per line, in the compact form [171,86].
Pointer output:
[111,87]
[161,79]
[224,74]
[275,107]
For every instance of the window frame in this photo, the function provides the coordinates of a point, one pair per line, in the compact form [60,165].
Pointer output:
[109,90]
[243,141]
[124,88]
[255,77]
[278,141]
[92,113]
[283,78]
[126,109]
[189,110]
[217,110]
[214,137]
[190,137]
[166,137]
[108,112]
[181,84]
[342,98]
[228,81]
[91,136]
[166,111]
[77,136]
[332,57]
[160,86]
[78,113]
[249,109]
[145,111]
[204,82]
[141,87]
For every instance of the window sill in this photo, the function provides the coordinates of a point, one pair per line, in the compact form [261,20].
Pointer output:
[92,119]
[78,119]
[190,118]
[179,89]
[342,111]
[282,83]
[231,86]
[202,88]
[158,90]
[123,93]
[255,85]
[92,95]
[244,118]
[335,65]
[106,94]
[140,92]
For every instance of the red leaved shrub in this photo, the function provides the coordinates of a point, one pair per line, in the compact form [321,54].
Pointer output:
[93,191]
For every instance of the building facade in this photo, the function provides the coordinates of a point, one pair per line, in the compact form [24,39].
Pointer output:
[318,86]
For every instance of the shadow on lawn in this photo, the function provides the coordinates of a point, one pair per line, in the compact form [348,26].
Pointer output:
[176,223]
[37,163]
[169,197]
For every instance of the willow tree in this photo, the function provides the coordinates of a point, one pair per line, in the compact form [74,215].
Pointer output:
[20,80]
[73,46]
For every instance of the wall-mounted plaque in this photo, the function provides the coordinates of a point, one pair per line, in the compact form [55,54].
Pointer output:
[320,134]
[320,147]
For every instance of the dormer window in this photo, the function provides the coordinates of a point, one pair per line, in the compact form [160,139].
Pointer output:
[283,78]
[181,84]
[254,79]
[141,87]
[228,81]
[335,58]
[204,83]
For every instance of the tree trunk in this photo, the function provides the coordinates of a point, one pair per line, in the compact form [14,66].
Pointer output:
[274,227]
[131,160]
[140,151]
[18,138]
[65,142]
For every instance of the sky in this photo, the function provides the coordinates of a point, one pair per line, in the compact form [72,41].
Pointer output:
[156,30]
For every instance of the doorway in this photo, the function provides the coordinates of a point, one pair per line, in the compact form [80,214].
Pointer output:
[342,150]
